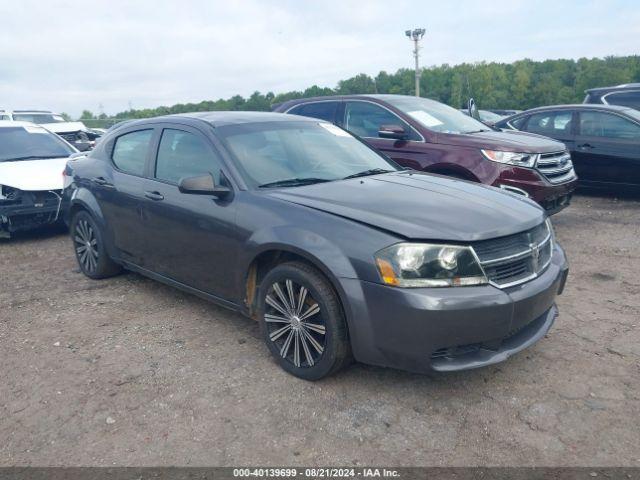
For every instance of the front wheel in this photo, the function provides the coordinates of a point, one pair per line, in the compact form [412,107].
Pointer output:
[89,248]
[302,321]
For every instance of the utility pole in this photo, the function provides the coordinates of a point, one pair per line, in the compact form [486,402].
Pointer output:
[416,35]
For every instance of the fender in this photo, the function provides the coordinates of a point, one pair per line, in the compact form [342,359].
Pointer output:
[316,249]
[306,243]
[83,198]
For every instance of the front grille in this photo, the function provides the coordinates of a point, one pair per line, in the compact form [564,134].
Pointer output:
[69,137]
[508,261]
[556,167]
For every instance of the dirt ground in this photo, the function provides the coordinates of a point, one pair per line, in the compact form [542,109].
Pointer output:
[126,371]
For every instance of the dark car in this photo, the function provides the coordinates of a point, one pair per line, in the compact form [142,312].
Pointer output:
[627,95]
[604,140]
[333,248]
[429,136]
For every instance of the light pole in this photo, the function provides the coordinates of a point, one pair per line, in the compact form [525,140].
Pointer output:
[416,35]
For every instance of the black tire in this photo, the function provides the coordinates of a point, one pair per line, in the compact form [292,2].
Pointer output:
[89,248]
[304,326]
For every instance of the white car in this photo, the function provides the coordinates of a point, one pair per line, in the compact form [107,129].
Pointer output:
[76,133]
[32,160]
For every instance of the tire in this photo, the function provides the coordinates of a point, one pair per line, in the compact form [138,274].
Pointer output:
[89,248]
[309,354]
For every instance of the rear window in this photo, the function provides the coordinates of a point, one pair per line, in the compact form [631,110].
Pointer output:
[322,110]
[130,151]
[607,125]
[626,99]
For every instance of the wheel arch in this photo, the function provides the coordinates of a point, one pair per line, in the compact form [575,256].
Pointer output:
[452,170]
[274,254]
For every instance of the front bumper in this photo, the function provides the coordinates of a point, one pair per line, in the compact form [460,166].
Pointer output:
[552,197]
[448,329]
[33,210]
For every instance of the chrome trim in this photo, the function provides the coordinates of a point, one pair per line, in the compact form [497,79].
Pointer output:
[519,254]
[516,190]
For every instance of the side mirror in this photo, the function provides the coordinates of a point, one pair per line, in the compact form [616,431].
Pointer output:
[473,109]
[392,131]
[203,185]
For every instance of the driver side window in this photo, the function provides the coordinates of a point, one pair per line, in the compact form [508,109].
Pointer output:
[364,119]
[182,154]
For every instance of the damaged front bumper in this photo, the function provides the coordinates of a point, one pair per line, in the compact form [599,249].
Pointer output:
[28,210]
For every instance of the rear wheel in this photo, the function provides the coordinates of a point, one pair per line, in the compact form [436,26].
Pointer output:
[302,321]
[89,248]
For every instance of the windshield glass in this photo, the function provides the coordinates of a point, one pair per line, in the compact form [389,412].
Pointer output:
[436,116]
[273,152]
[487,116]
[26,143]
[38,118]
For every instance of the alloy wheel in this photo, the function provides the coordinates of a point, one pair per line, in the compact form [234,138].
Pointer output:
[86,244]
[294,323]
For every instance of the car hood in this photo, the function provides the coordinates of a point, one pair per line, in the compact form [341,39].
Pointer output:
[509,141]
[64,127]
[33,175]
[421,206]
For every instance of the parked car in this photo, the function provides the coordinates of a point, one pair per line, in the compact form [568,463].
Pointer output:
[76,133]
[432,137]
[604,140]
[32,160]
[486,116]
[333,248]
[627,95]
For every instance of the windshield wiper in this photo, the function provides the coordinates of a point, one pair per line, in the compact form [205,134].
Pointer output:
[478,131]
[366,173]
[293,182]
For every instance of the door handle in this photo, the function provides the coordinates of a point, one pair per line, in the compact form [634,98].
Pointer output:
[586,146]
[103,182]
[157,196]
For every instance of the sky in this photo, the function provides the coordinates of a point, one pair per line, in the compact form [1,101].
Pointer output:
[68,55]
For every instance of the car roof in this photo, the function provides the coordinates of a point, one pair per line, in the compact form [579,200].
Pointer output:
[577,106]
[222,118]
[624,86]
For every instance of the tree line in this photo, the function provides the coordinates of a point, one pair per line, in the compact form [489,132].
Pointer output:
[519,85]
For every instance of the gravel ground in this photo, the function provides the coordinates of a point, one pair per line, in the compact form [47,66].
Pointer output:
[126,371]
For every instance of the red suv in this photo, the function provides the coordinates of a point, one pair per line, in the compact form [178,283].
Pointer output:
[427,135]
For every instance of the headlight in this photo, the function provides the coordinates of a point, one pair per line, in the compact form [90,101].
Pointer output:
[511,158]
[429,265]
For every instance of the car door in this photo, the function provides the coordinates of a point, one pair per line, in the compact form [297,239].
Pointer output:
[119,190]
[607,149]
[190,238]
[364,120]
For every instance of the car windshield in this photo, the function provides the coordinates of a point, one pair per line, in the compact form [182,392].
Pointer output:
[487,116]
[38,118]
[30,142]
[436,116]
[281,154]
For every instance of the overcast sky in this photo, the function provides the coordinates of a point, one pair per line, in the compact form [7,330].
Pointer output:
[72,55]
